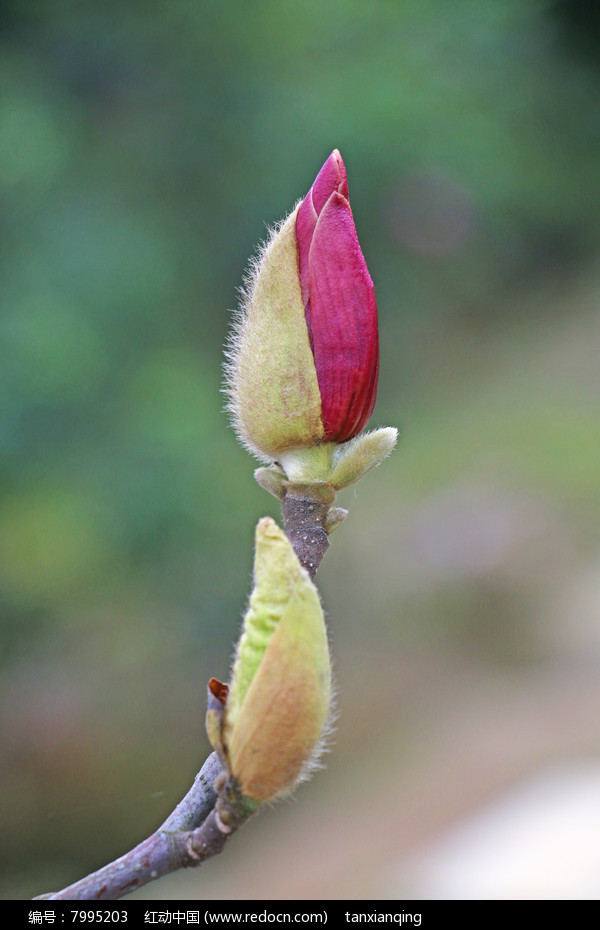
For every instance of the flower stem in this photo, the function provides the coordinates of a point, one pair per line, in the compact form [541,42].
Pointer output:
[304,523]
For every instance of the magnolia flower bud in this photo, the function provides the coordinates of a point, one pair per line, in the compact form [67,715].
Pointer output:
[304,358]
[279,697]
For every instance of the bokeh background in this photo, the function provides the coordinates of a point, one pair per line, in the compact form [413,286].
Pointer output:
[143,148]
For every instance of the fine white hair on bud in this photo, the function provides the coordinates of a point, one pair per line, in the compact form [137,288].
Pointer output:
[234,343]
[270,378]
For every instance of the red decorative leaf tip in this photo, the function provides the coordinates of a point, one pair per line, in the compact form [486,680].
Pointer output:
[218,690]
[339,303]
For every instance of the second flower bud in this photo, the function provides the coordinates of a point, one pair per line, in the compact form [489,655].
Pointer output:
[278,701]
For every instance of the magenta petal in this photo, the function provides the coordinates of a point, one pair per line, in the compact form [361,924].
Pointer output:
[331,177]
[339,303]
[342,319]
[306,220]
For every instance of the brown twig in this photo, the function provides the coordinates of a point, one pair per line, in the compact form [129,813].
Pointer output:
[209,814]
[187,837]
[304,523]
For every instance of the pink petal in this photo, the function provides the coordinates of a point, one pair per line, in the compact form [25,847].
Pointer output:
[306,220]
[342,319]
[331,177]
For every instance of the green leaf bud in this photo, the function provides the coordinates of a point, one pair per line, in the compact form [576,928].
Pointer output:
[354,459]
[280,690]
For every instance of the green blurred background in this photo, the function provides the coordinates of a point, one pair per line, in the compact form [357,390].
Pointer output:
[143,148]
